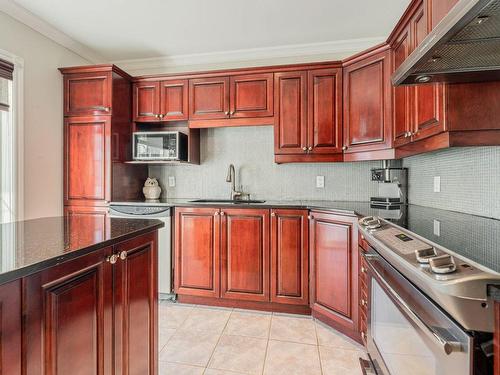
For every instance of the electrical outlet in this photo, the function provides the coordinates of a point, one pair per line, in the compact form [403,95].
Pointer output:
[320,181]
[171,181]
[437,184]
[437,228]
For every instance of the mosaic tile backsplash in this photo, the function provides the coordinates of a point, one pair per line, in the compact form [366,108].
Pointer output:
[470,177]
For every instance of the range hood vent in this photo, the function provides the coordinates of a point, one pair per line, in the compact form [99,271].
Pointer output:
[463,47]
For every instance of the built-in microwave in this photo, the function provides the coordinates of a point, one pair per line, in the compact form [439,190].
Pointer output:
[166,145]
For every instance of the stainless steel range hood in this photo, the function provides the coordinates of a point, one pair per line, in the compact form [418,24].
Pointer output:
[463,47]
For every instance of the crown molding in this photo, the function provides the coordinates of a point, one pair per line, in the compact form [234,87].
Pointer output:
[24,16]
[335,50]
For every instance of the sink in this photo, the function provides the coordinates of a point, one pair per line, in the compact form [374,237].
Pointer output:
[232,201]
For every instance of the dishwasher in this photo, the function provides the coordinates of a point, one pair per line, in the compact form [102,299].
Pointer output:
[151,211]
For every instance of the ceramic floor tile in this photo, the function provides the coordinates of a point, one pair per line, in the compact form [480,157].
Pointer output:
[250,324]
[207,319]
[288,358]
[190,347]
[336,361]
[212,371]
[171,315]
[167,368]
[164,334]
[238,353]
[295,329]
[329,337]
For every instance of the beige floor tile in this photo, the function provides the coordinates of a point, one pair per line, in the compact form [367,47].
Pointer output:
[293,329]
[329,337]
[238,353]
[171,315]
[288,358]
[167,368]
[250,324]
[337,361]
[207,319]
[190,347]
[212,371]
[164,334]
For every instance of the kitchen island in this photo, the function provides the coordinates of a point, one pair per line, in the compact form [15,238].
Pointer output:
[78,293]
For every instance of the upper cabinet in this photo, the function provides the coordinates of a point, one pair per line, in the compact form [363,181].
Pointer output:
[156,101]
[367,105]
[209,98]
[308,123]
[251,95]
[87,93]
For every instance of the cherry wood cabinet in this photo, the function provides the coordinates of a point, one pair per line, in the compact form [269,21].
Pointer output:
[209,98]
[251,95]
[308,116]
[496,339]
[438,9]
[334,271]
[10,328]
[88,93]
[245,254]
[197,252]
[367,104]
[289,256]
[107,300]
[157,101]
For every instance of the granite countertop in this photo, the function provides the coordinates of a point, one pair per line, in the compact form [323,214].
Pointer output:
[32,245]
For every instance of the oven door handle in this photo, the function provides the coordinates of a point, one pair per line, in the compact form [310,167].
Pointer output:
[447,346]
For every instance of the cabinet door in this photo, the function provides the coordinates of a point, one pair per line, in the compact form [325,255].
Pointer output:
[334,267]
[289,256]
[87,94]
[10,328]
[290,129]
[251,95]
[367,103]
[403,123]
[439,9]
[136,306]
[209,98]
[245,254]
[174,100]
[146,101]
[69,317]
[197,250]
[87,160]
[324,111]
[428,100]
[496,340]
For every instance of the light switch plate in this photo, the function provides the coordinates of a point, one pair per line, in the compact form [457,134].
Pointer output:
[437,184]
[171,181]
[437,228]
[320,181]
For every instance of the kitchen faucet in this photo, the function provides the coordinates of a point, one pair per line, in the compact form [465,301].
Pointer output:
[231,178]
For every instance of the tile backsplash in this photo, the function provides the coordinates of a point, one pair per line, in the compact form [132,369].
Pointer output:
[470,177]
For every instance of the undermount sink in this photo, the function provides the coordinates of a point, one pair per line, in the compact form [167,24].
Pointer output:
[233,201]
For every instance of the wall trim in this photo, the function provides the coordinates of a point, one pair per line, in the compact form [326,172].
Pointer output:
[24,16]
[334,50]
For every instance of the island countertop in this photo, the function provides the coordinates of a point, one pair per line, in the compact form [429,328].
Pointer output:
[29,246]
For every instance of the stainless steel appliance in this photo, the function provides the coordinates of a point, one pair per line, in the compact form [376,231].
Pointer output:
[393,185]
[429,312]
[161,212]
[463,47]
[169,145]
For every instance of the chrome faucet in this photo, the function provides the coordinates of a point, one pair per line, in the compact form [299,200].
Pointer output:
[231,178]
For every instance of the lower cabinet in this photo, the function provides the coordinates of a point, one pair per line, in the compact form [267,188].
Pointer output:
[496,341]
[10,328]
[334,271]
[234,255]
[91,313]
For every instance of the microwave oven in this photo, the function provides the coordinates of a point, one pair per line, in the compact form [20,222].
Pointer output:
[169,145]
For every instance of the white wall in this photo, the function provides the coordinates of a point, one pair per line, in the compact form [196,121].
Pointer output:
[43,121]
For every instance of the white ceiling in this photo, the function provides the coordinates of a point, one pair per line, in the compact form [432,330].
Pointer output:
[138,29]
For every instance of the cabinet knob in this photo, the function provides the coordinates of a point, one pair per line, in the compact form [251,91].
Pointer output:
[310,148]
[226,113]
[310,217]
[222,213]
[344,148]
[363,269]
[231,113]
[273,214]
[363,335]
[363,302]
[123,255]
[414,133]
[112,258]
[161,116]
[304,148]
[216,213]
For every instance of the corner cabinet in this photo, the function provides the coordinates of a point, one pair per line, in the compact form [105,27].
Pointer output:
[108,300]
[308,124]
[334,271]
[368,105]
[10,328]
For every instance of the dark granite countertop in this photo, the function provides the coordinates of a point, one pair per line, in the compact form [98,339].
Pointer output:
[32,245]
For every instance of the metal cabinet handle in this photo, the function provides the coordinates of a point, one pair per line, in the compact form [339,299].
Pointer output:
[123,255]
[112,258]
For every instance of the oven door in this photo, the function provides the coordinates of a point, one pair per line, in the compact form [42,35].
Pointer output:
[407,333]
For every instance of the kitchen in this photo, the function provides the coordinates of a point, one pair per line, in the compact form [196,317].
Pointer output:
[326,202]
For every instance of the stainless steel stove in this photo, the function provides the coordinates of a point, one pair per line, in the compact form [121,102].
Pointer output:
[428,295]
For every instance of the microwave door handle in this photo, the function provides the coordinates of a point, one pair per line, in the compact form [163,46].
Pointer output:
[447,346]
